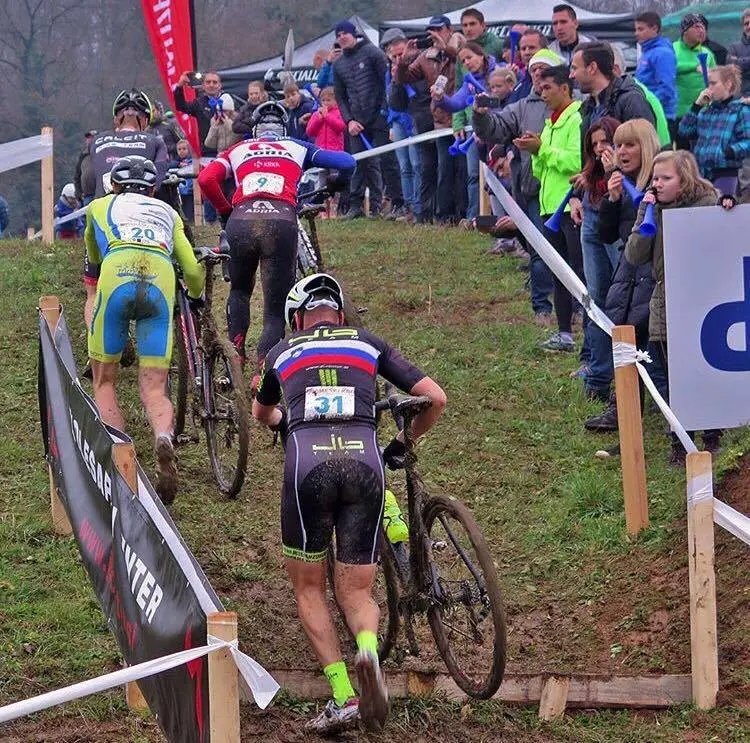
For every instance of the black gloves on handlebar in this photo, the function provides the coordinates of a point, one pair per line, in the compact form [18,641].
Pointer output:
[196,305]
[394,453]
[281,429]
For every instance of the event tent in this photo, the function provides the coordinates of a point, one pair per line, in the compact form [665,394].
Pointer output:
[235,79]
[724,20]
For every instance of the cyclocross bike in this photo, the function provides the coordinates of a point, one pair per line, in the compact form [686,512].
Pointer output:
[445,575]
[209,373]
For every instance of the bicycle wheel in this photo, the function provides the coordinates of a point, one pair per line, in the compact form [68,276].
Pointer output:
[227,423]
[179,378]
[386,592]
[467,619]
[307,260]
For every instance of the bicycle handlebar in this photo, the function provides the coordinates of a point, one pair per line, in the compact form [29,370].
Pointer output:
[211,255]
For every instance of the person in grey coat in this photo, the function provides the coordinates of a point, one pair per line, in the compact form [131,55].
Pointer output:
[739,53]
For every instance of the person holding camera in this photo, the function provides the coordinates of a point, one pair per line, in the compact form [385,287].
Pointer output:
[220,135]
[436,62]
[208,85]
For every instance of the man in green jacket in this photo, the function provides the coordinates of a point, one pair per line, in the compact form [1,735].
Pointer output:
[690,80]
[555,158]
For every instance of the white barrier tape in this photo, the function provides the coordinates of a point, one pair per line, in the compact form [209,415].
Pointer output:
[700,487]
[733,521]
[256,677]
[24,151]
[575,286]
[417,139]
[62,220]
[626,354]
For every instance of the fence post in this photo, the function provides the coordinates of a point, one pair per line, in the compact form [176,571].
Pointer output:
[223,681]
[631,437]
[485,205]
[48,197]
[50,308]
[197,204]
[123,457]
[554,697]
[30,232]
[704,653]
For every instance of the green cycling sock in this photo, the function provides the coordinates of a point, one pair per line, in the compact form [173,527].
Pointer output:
[367,642]
[338,678]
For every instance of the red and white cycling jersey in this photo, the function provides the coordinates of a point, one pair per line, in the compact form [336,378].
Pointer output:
[270,168]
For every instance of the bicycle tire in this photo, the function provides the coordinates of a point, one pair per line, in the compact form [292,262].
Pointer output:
[307,260]
[180,389]
[230,483]
[387,566]
[483,688]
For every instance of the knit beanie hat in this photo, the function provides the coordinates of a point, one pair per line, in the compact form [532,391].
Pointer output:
[688,21]
[345,27]
[546,56]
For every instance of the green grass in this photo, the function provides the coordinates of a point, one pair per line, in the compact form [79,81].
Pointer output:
[581,595]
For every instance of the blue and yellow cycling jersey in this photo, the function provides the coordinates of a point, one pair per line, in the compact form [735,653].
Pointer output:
[135,238]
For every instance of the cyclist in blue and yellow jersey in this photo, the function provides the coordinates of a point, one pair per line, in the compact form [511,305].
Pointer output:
[334,479]
[133,238]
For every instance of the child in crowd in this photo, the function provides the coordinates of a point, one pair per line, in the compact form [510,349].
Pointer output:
[555,159]
[220,136]
[300,110]
[67,204]
[676,184]
[637,144]
[326,126]
[185,155]
[720,122]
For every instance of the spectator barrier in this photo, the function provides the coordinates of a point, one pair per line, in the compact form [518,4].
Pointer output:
[158,603]
[21,152]
[702,508]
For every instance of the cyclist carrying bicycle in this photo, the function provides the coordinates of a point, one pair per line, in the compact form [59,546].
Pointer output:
[131,113]
[132,239]
[261,221]
[334,479]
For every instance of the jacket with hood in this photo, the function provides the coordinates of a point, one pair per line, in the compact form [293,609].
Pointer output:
[558,158]
[622,99]
[741,51]
[502,127]
[327,129]
[641,248]
[359,81]
[689,80]
[566,52]
[662,125]
[657,70]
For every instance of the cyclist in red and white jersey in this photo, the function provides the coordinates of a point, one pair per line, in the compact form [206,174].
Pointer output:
[261,220]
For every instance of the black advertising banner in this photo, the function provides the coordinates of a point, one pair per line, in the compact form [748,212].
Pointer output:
[149,586]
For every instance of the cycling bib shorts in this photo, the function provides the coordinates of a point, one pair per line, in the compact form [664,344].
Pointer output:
[333,479]
[135,284]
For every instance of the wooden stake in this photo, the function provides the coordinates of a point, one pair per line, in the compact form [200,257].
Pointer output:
[48,197]
[123,457]
[485,205]
[554,697]
[631,437]
[223,686]
[704,654]
[30,231]
[197,204]
[50,308]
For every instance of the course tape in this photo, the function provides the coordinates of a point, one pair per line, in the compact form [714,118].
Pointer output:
[260,681]
[24,151]
[391,146]
[626,354]
[724,515]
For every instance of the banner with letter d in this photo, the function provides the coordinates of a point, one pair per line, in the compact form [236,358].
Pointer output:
[707,277]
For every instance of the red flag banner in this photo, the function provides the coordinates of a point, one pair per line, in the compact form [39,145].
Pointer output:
[170,32]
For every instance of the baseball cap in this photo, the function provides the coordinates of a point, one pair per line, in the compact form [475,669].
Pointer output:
[545,56]
[438,21]
[391,35]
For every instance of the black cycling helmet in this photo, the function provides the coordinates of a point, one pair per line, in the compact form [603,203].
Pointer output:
[134,98]
[136,172]
[269,118]
[320,289]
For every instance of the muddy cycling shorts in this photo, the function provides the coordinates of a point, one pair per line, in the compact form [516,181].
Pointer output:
[333,480]
[135,284]
[90,270]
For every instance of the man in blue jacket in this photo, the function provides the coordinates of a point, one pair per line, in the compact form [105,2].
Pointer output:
[657,67]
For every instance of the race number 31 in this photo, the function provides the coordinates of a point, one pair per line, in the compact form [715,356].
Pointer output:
[329,403]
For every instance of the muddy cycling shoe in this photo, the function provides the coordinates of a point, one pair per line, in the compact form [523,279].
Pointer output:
[129,355]
[334,719]
[166,466]
[373,692]
[393,522]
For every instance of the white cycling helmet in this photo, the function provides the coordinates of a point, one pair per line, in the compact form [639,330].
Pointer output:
[68,191]
[318,290]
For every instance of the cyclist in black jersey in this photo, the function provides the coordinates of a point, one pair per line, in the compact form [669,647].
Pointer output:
[131,113]
[334,479]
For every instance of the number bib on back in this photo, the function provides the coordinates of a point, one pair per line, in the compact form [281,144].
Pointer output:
[329,403]
[265,182]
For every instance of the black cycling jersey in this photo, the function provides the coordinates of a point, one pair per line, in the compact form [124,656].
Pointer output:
[108,147]
[327,374]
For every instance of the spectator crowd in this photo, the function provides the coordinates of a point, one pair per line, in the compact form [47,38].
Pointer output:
[560,122]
